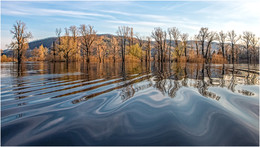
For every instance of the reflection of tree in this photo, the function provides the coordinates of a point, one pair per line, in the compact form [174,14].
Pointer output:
[174,89]
[131,88]
[232,84]
[222,82]
[168,79]
[246,92]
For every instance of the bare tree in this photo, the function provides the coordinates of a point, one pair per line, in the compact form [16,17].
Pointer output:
[164,45]
[175,35]
[184,38]
[246,38]
[222,39]
[158,36]
[170,44]
[131,37]
[148,50]
[21,38]
[65,46]
[88,37]
[114,45]
[233,38]
[203,35]
[122,33]
[211,37]
[141,44]
[58,34]
[255,48]
[74,33]
[196,38]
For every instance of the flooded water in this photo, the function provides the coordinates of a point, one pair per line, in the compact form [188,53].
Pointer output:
[107,104]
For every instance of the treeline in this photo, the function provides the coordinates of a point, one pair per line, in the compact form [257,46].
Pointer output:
[83,44]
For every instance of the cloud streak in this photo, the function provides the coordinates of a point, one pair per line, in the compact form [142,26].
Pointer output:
[142,16]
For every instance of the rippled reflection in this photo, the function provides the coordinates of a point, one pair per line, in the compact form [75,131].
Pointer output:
[135,104]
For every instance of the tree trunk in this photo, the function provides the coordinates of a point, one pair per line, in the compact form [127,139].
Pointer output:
[233,55]
[223,50]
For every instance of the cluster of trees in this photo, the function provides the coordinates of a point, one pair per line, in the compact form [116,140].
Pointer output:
[83,43]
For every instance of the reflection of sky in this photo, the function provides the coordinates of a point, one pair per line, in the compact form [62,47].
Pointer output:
[42,18]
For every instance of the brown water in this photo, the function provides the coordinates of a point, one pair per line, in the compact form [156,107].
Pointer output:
[105,104]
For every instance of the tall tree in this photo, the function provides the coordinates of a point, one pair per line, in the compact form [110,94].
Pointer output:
[246,38]
[222,39]
[170,44]
[158,36]
[114,46]
[21,38]
[141,43]
[203,35]
[196,38]
[65,46]
[131,37]
[176,34]
[122,33]
[255,47]
[88,37]
[55,44]
[74,34]
[148,50]
[211,37]
[184,38]
[164,45]
[233,38]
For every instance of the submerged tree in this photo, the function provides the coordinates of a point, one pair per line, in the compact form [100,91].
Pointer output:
[233,38]
[55,44]
[203,35]
[74,43]
[88,37]
[114,46]
[255,47]
[159,36]
[21,38]
[148,50]
[65,47]
[122,33]
[40,53]
[210,39]
[222,39]
[247,36]
[184,38]
[170,44]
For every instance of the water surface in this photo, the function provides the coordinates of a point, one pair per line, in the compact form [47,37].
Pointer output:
[107,104]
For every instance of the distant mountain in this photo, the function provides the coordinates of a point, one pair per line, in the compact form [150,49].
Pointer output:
[47,42]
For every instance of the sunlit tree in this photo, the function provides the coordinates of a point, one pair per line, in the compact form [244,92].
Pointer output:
[88,37]
[40,53]
[123,32]
[246,38]
[20,39]
[184,39]
[221,37]
[203,35]
[233,38]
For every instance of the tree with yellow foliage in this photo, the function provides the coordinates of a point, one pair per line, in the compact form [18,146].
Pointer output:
[21,38]
[136,51]
[40,53]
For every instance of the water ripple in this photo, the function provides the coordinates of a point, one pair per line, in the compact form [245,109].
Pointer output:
[189,104]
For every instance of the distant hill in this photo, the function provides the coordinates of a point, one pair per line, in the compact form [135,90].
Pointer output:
[47,42]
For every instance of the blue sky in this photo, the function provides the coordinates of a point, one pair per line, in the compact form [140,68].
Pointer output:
[42,18]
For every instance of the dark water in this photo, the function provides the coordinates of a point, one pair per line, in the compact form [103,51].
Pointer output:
[105,104]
